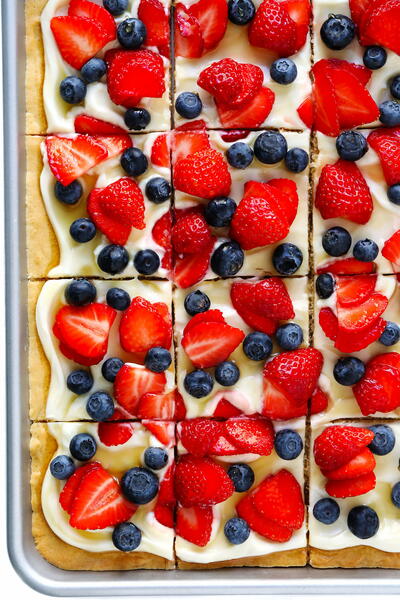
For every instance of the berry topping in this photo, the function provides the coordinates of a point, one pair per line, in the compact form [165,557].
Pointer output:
[126,536]
[62,467]
[386,143]
[83,446]
[365,250]
[69,158]
[337,32]
[241,12]
[145,325]
[188,105]
[198,383]
[326,511]
[391,334]
[194,524]
[348,370]
[80,382]
[296,160]
[132,383]
[384,440]
[72,90]
[100,406]
[288,444]
[201,482]
[236,530]
[131,33]
[378,389]
[203,173]
[157,359]
[239,155]
[242,476]
[219,211]
[227,259]
[337,445]
[139,485]
[374,57]
[363,522]
[289,336]
[270,147]
[287,259]
[273,29]
[146,262]
[118,298]
[257,345]
[114,432]
[196,302]
[155,458]
[336,241]
[389,113]
[351,145]
[325,285]
[92,71]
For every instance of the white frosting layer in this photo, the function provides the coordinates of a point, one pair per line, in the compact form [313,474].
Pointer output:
[97,103]
[248,392]
[62,404]
[156,538]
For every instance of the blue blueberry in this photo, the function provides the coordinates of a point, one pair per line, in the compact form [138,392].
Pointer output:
[296,160]
[241,12]
[219,211]
[395,495]
[83,446]
[289,336]
[73,89]
[257,345]
[227,373]
[137,118]
[365,250]
[113,259]
[325,285]
[116,7]
[394,193]
[131,33]
[287,259]
[93,70]
[374,57]
[384,440]
[336,241]
[270,147]
[82,230]
[239,155]
[158,190]
[80,382]
[146,262]
[80,292]
[110,368]
[188,105]
[395,87]
[196,302]
[351,145]
[337,32]
[391,334]
[155,458]
[139,485]
[326,511]
[100,406]
[363,522]
[348,370]
[236,530]
[68,194]
[288,444]
[158,359]
[126,536]
[227,259]
[134,162]
[390,113]
[62,466]
[283,71]
[118,298]
[242,476]
[198,383]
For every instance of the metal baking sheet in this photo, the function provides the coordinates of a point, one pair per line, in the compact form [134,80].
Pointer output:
[36,572]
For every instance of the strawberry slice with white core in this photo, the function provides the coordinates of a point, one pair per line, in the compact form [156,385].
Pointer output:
[208,344]
[133,382]
[194,524]
[145,325]
[71,157]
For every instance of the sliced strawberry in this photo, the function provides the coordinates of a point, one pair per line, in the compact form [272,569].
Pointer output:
[391,249]
[391,359]
[381,24]
[354,290]
[194,524]
[189,42]
[166,494]
[204,174]
[192,268]
[198,435]
[253,114]
[325,115]
[143,326]
[306,112]
[155,19]
[90,10]
[386,143]
[116,230]
[344,339]
[348,488]
[289,189]
[212,16]
[161,231]
[69,158]
[208,344]
[190,234]
[225,409]
[300,12]
[92,126]
[115,144]
[268,298]
[223,446]
[319,401]
[379,389]
[277,406]
[258,523]
[160,151]
[188,142]
[115,433]
[279,499]
[361,464]
[273,29]
[359,71]
[338,444]
[164,515]
[157,406]
[254,435]
[357,9]
[201,481]
[347,266]
[357,318]
[132,382]
[69,490]
[213,315]
[163,431]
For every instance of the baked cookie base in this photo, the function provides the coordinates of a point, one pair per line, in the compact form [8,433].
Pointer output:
[39,367]
[36,122]
[287,558]
[354,558]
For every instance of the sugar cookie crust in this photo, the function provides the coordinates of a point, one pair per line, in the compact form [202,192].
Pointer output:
[36,122]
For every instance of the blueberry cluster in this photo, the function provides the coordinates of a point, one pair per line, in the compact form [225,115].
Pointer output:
[362,521]
[337,241]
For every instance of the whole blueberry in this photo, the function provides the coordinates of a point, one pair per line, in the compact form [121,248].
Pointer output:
[118,298]
[100,406]
[196,302]
[134,162]
[219,211]
[326,511]
[363,522]
[242,476]
[227,259]
[139,485]
[68,194]
[155,458]
[288,444]
[395,495]
[158,359]
[198,383]
[137,118]
[62,466]
[270,147]
[365,250]
[116,7]
[384,440]
[146,262]
[390,335]
[374,57]
[337,32]
[110,368]
[158,190]
[80,292]
[289,336]
[257,345]
[394,193]
[126,536]
[389,113]
[395,87]
[283,71]
[239,155]
[287,259]
[348,370]
[336,241]
[93,70]
[79,382]
[73,89]
[188,105]
[236,530]
[82,230]
[296,160]
[83,446]
[241,12]
[113,259]
[325,285]
[131,33]
[351,145]
[227,373]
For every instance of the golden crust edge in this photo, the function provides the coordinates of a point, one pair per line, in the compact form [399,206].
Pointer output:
[38,365]
[355,557]
[286,558]
[35,121]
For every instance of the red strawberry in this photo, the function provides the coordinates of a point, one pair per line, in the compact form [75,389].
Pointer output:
[188,142]
[258,523]
[234,135]
[115,433]
[198,435]
[268,298]
[231,83]
[354,290]
[164,515]
[347,266]
[358,8]
[144,326]
[273,29]
[361,73]
[84,330]
[357,318]
[279,499]
[306,112]
[212,16]
[157,406]
[386,143]
[209,316]
[223,446]
[69,158]
[92,126]
[160,151]
[349,488]
[343,192]
[163,431]
[132,382]
[201,481]
[277,406]
[190,234]
[379,389]
[380,25]
[156,21]
[161,231]
[361,464]
[192,268]
[251,115]
[344,339]
[291,199]
[90,10]
[115,144]
[338,444]
[204,174]
[194,524]
[319,401]
[391,249]
[225,409]
[325,114]
[164,509]
[189,41]
[209,343]
[255,435]
[69,490]
[300,12]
